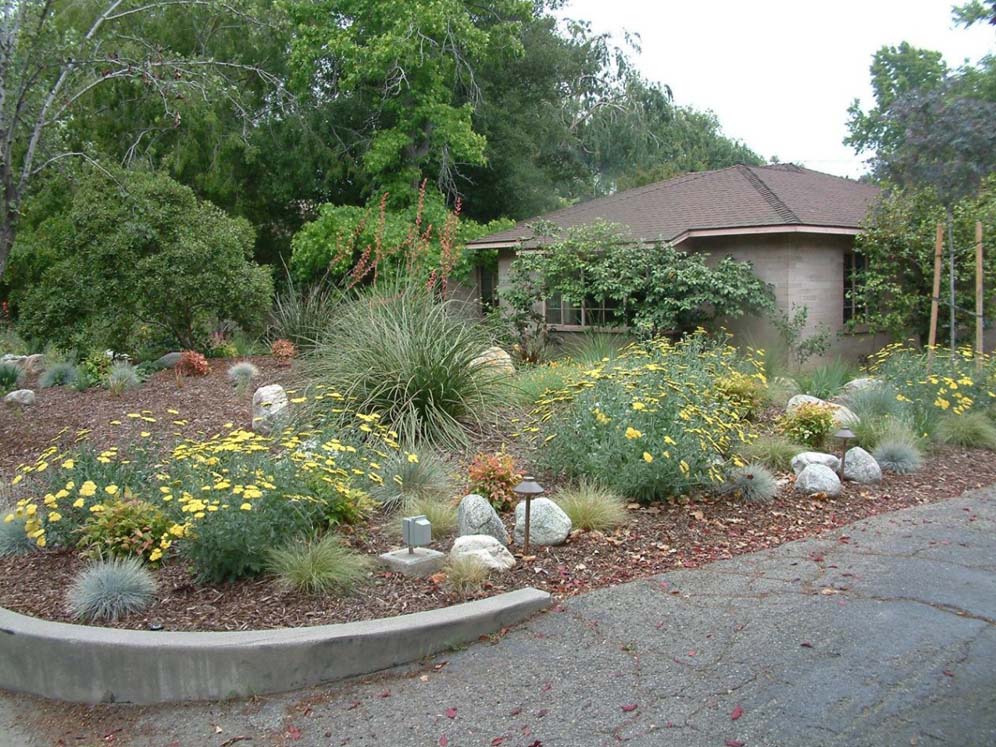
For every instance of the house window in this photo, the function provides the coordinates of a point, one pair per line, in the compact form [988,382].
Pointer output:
[489,289]
[854,280]
[593,312]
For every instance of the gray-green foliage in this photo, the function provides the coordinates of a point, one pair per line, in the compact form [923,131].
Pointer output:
[14,539]
[302,312]
[58,374]
[319,566]
[754,483]
[399,352]
[107,590]
[242,375]
[137,247]
[413,475]
[971,429]
[881,416]
[899,456]
[591,506]
[122,376]
[10,376]
[827,379]
[774,451]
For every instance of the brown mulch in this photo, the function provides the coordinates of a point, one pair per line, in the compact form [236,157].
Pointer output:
[205,403]
[656,539]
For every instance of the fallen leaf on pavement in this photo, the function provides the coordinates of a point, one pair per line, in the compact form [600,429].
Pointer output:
[737,713]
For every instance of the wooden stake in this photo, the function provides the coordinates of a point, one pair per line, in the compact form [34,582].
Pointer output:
[935,298]
[978,294]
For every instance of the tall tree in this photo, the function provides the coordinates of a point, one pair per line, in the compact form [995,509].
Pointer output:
[55,57]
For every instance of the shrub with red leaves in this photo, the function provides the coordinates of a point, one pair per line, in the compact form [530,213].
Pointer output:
[283,349]
[495,476]
[192,363]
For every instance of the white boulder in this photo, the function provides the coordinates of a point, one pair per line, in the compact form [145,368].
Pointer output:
[484,549]
[818,479]
[803,460]
[857,385]
[476,515]
[269,408]
[495,357]
[548,524]
[861,467]
[22,397]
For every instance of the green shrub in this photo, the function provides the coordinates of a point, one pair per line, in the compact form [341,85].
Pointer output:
[11,342]
[591,506]
[96,366]
[319,566]
[774,451]
[139,250]
[754,483]
[125,528]
[532,382]
[14,539]
[242,374]
[747,393]
[59,374]
[870,432]
[494,476]
[122,376]
[415,475]
[230,544]
[649,425]
[111,589]
[465,576]
[810,424]
[10,376]
[972,429]
[826,380]
[899,456]
[401,353]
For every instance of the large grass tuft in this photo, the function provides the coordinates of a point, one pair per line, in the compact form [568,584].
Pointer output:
[413,475]
[399,352]
[826,380]
[591,506]
[58,374]
[465,575]
[899,456]
[14,540]
[754,483]
[775,452]
[110,589]
[972,429]
[10,376]
[318,566]
[303,314]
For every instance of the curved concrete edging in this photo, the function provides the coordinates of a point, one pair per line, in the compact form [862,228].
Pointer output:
[86,664]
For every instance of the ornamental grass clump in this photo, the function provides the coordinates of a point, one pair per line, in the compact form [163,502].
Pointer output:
[108,590]
[972,429]
[10,376]
[591,506]
[14,539]
[410,476]
[58,374]
[899,456]
[319,566]
[122,376]
[413,359]
[242,375]
[826,380]
[754,483]
[773,451]
[465,575]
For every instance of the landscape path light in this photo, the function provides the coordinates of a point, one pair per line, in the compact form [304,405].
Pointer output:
[527,490]
[845,435]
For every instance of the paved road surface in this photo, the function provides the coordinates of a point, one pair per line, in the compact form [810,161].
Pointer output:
[883,633]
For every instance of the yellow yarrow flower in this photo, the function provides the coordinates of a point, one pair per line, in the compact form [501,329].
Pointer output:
[632,433]
[648,457]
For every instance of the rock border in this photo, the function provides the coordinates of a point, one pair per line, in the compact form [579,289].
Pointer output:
[84,664]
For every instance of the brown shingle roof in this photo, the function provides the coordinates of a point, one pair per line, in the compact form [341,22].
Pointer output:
[735,197]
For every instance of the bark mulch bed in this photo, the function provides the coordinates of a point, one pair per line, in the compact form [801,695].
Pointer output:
[656,539]
[204,403]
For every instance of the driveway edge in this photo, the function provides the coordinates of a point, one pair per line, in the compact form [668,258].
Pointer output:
[85,664]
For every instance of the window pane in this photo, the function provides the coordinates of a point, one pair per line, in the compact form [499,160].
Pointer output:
[554,314]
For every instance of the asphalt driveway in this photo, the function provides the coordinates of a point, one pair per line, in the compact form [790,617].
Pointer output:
[881,633]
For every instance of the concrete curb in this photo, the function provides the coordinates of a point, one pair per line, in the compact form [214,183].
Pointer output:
[85,664]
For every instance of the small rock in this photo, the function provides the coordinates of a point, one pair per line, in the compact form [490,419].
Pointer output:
[548,524]
[803,460]
[33,364]
[269,408]
[485,549]
[167,361]
[475,515]
[22,397]
[497,358]
[818,478]
[861,467]
[856,385]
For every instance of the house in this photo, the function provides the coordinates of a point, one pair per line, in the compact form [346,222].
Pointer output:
[794,225]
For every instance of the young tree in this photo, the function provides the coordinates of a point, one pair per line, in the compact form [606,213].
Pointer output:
[55,57]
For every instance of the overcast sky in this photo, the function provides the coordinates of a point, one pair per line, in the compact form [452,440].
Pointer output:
[780,74]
